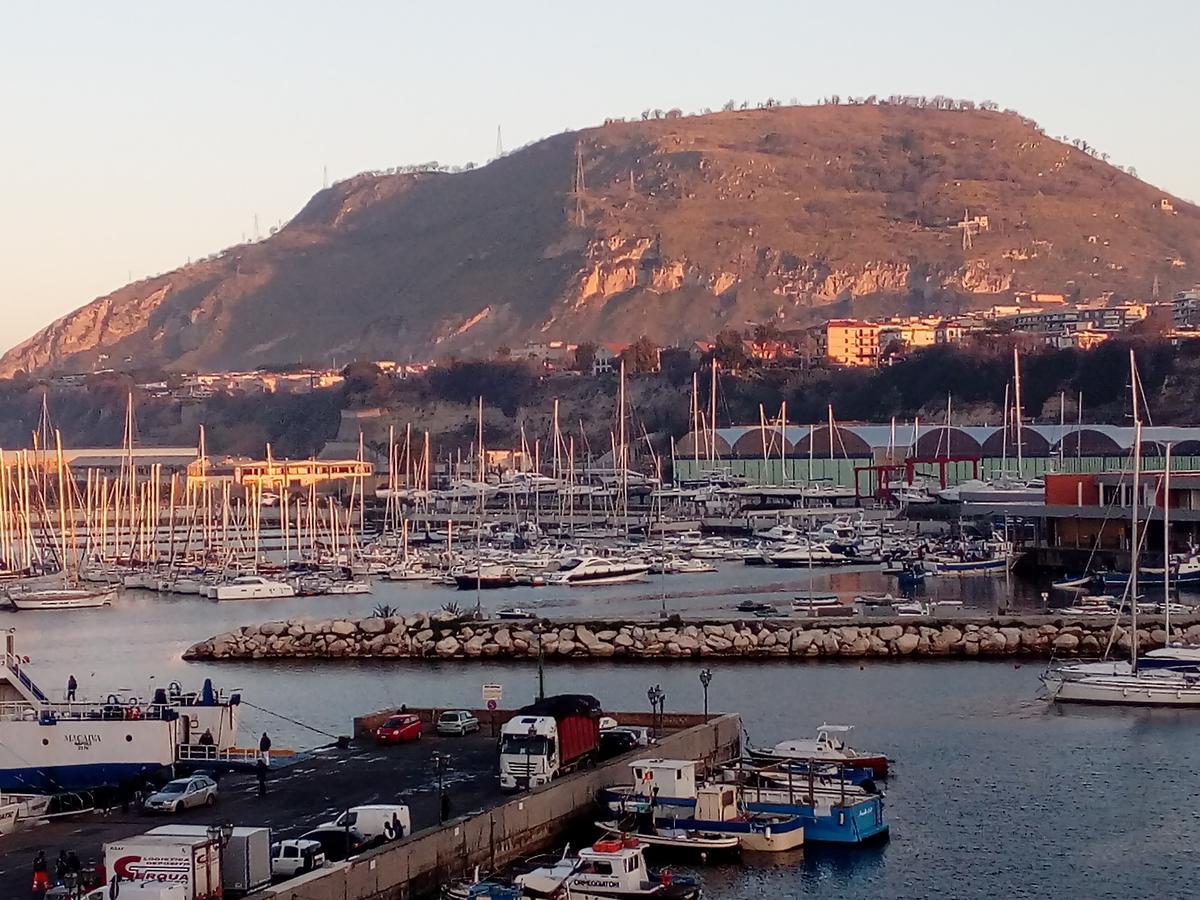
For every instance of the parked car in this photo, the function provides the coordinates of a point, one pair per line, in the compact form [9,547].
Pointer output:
[338,843]
[398,729]
[182,793]
[614,743]
[457,721]
[294,857]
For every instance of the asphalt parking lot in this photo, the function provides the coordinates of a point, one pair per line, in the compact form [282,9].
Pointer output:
[313,789]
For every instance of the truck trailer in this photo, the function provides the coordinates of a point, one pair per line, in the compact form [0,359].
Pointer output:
[245,860]
[552,737]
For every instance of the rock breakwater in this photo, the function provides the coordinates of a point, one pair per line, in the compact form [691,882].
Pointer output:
[436,636]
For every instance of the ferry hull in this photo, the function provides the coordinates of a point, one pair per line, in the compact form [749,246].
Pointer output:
[81,777]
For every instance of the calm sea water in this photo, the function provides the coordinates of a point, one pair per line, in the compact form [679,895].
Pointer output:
[995,794]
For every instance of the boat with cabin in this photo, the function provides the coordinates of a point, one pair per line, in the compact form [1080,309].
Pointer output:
[588,570]
[829,746]
[49,745]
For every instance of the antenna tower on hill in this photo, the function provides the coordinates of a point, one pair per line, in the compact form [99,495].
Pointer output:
[499,143]
[577,185]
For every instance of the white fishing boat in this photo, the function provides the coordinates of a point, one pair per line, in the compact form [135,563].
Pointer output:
[608,870]
[829,746]
[681,839]
[251,587]
[61,598]
[589,570]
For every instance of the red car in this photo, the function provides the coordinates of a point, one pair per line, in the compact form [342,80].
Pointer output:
[398,729]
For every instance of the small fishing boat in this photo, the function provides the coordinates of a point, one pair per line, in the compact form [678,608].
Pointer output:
[608,870]
[486,578]
[61,598]
[349,587]
[678,839]
[911,609]
[829,746]
[756,608]
[1072,583]
[513,612]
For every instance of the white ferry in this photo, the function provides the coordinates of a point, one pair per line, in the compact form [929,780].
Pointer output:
[49,746]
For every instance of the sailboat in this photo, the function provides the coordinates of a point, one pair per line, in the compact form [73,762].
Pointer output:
[1115,682]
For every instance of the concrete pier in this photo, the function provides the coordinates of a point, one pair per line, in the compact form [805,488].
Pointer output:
[525,824]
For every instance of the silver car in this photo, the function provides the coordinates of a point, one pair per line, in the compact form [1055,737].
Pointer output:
[457,721]
[182,793]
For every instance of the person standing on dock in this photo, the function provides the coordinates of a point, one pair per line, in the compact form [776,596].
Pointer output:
[264,748]
[260,771]
[72,686]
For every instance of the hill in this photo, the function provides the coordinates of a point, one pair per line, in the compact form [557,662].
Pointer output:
[682,226]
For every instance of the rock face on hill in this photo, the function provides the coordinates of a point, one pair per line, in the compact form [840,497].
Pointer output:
[681,227]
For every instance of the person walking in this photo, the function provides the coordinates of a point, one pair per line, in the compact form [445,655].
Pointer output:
[41,875]
[260,771]
[264,748]
[72,686]
[60,867]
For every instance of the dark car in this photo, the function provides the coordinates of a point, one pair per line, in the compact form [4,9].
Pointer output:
[614,743]
[338,843]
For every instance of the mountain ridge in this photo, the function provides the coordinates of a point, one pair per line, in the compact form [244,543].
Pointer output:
[689,225]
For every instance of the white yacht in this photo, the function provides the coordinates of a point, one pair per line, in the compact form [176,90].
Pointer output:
[61,598]
[251,587]
[793,556]
[600,570]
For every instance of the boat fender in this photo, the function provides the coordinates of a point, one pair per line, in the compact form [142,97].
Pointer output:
[24,659]
[389,831]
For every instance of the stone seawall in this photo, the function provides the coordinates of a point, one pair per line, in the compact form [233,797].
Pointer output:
[423,636]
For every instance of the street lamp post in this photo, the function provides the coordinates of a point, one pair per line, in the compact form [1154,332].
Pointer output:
[705,681]
[657,697]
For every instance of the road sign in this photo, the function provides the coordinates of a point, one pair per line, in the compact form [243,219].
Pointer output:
[492,704]
[493,693]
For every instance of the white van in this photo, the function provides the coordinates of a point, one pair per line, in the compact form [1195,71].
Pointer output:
[375,820]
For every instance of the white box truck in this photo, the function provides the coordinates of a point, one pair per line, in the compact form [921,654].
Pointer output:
[185,868]
[245,860]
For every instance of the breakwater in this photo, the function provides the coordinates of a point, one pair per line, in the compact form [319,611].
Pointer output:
[439,636]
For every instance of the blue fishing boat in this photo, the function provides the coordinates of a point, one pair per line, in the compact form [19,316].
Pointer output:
[667,788]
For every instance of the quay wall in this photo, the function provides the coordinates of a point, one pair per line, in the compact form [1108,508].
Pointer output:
[530,822]
[423,636]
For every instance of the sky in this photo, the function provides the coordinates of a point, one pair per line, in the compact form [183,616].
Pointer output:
[135,136]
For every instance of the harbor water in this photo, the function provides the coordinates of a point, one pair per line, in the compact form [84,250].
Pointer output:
[995,794]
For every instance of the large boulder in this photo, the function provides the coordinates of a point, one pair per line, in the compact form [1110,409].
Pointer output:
[1066,642]
[889,632]
[446,647]
[342,627]
[907,643]
[373,625]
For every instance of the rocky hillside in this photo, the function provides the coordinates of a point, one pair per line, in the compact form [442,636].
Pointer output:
[682,226]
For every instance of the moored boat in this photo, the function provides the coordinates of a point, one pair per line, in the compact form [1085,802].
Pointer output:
[829,746]
[61,598]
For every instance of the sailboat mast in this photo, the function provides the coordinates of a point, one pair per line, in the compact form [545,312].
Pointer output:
[1133,568]
[1167,546]
[1017,410]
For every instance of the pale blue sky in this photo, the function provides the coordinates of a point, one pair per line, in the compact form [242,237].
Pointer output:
[137,135]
